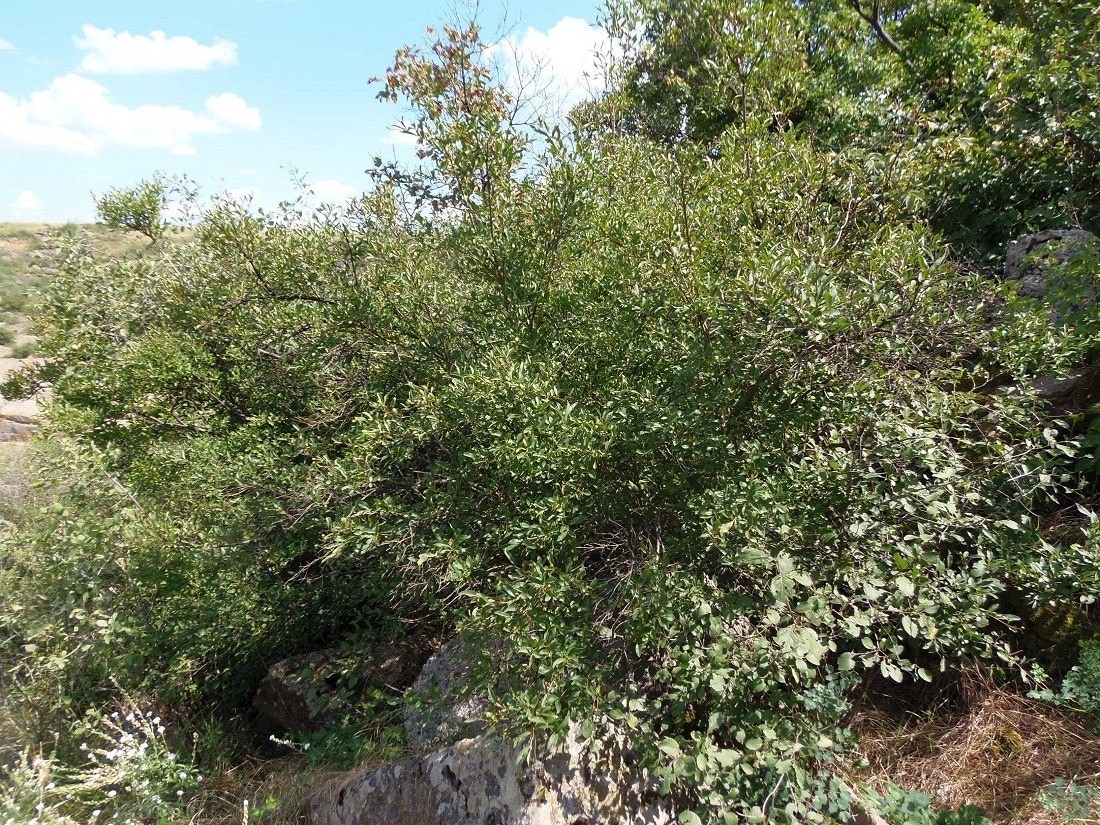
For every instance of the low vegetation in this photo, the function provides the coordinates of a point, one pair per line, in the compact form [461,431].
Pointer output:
[708,401]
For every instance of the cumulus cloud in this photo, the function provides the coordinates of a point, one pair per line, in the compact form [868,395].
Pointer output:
[6,45]
[77,115]
[111,52]
[399,137]
[333,191]
[560,65]
[26,205]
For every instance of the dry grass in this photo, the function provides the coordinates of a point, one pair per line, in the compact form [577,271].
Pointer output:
[289,781]
[1001,753]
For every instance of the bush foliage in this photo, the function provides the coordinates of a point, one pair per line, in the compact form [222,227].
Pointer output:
[689,400]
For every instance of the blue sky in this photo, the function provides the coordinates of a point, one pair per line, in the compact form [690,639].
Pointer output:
[232,93]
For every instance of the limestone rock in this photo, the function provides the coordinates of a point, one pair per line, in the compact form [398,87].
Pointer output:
[1035,261]
[483,780]
[440,711]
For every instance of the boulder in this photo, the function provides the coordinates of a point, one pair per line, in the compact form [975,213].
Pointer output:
[294,695]
[17,428]
[298,694]
[484,780]
[440,710]
[1036,262]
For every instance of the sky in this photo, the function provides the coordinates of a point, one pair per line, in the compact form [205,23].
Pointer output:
[235,94]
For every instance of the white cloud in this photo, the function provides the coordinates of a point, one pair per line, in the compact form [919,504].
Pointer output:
[77,115]
[111,52]
[6,45]
[233,112]
[399,137]
[333,191]
[560,65]
[25,205]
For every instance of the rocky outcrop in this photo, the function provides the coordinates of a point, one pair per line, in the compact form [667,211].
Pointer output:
[1037,262]
[462,775]
[440,711]
[299,694]
[18,418]
[17,427]
[294,695]
[484,780]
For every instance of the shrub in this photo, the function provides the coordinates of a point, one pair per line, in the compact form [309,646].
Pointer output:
[697,443]
[140,209]
[914,808]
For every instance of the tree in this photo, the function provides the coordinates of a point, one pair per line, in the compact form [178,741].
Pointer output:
[139,209]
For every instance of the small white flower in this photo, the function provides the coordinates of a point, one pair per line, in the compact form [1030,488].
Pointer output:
[111,794]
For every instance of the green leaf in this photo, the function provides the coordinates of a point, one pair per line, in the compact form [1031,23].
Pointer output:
[670,747]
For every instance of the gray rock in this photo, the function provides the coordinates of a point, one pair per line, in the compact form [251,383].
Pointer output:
[440,710]
[298,694]
[482,781]
[293,696]
[17,428]
[1036,262]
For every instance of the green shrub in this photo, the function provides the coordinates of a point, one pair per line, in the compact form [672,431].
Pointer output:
[140,209]
[1080,688]
[914,808]
[696,442]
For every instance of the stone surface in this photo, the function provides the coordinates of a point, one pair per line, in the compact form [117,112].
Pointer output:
[1035,261]
[16,428]
[482,781]
[440,712]
[293,696]
[18,418]
[297,694]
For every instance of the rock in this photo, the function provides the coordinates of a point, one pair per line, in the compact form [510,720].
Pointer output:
[298,695]
[440,711]
[483,780]
[294,696]
[16,428]
[1035,261]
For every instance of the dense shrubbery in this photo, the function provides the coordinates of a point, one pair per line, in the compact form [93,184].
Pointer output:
[705,422]
[982,115]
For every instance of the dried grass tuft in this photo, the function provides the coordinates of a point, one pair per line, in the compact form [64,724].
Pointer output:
[1002,753]
[287,780]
